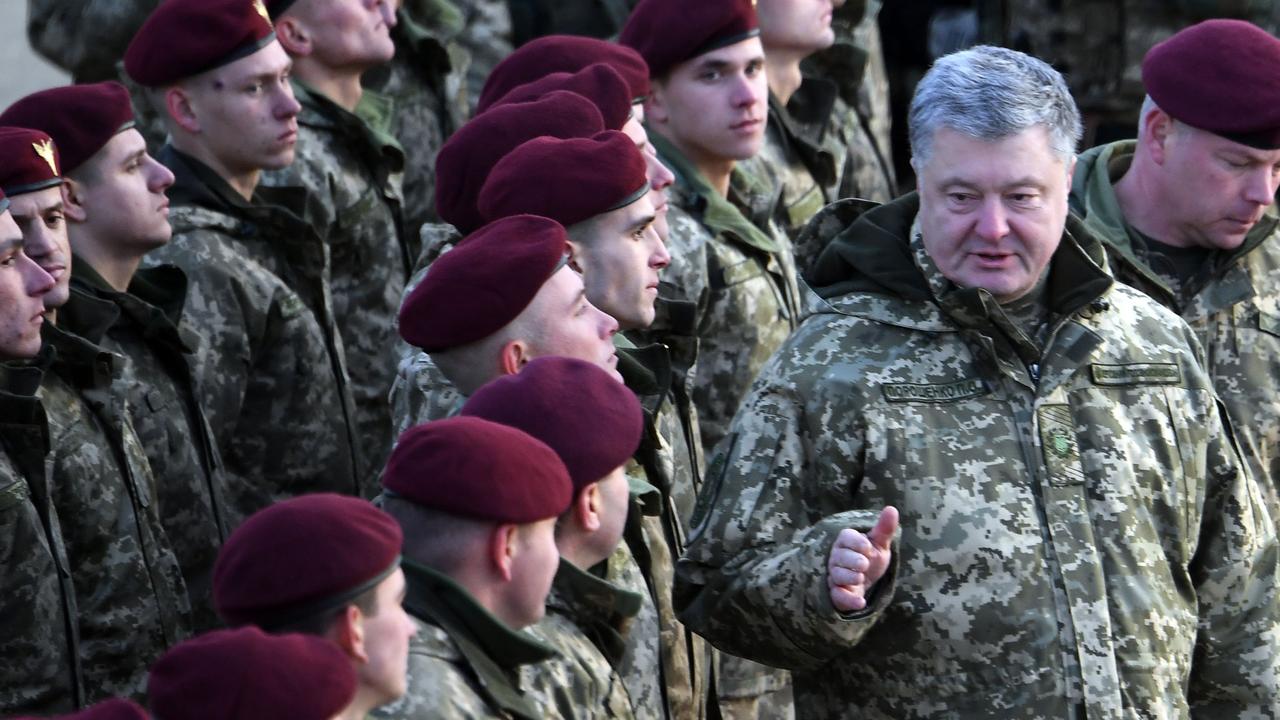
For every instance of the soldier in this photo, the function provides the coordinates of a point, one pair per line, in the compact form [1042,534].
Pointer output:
[1185,212]
[970,364]
[116,212]
[245,674]
[353,173]
[333,571]
[85,38]
[588,617]
[271,368]
[37,611]
[485,32]
[131,599]
[478,503]
[821,148]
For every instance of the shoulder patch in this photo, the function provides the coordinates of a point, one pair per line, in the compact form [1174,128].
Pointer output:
[934,393]
[291,306]
[1136,374]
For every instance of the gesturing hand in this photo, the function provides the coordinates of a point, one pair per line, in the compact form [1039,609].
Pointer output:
[857,561]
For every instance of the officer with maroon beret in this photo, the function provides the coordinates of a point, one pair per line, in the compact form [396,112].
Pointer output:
[332,570]
[478,502]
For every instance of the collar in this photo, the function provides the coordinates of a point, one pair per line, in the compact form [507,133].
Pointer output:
[79,361]
[599,608]
[320,111]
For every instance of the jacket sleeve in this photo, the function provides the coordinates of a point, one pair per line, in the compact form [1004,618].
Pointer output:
[780,489]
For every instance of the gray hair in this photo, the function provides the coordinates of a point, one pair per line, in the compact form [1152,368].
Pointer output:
[992,93]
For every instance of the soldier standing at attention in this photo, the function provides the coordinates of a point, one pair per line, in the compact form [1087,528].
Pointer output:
[478,503]
[588,617]
[116,212]
[353,174]
[271,367]
[131,599]
[1078,535]
[333,571]
[38,608]
[1186,212]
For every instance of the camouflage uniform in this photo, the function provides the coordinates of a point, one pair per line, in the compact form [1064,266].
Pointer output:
[532,19]
[164,407]
[85,37]
[1233,306]
[352,172]
[271,367]
[38,632]
[419,99]
[129,590]
[464,663]
[1076,526]
[485,33]
[586,623]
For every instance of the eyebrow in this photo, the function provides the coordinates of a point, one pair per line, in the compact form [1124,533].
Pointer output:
[577,299]
[135,156]
[12,244]
[1018,182]
[642,222]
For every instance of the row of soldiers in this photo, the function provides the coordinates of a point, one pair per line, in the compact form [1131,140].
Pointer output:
[638,211]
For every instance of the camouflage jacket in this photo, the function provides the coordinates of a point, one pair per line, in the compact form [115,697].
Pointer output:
[129,590]
[1233,306]
[352,174]
[165,409]
[464,663]
[742,279]
[270,369]
[532,19]
[822,151]
[85,37]
[419,99]
[586,623]
[38,631]
[485,32]
[1078,537]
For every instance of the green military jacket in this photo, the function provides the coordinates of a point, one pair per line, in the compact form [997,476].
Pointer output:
[352,173]
[742,279]
[464,663]
[271,369]
[166,412]
[586,623]
[85,37]
[130,593]
[419,98]
[1233,306]
[1078,537]
[38,616]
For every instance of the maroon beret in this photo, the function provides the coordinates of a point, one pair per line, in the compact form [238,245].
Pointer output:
[593,435]
[563,53]
[187,37]
[566,180]
[246,674]
[469,154]
[79,118]
[483,283]
[669,32]
[1222,76]
[303,557]
[29,161]
[598,83]
[114,709]
[478,469]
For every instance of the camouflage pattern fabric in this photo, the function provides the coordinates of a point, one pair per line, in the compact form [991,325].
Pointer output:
[585,623]
[1075,529]
[640,664]
[130,594]
[38,616]
[270,369]
[486,34]
[351,172]
[464,663]
[603,19]
[85,37]
[164,407]
[1233,306]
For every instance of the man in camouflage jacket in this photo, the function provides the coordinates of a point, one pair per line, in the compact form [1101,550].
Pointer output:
[1079,537]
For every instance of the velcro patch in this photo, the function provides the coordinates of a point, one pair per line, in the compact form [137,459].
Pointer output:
[1059,445]
[1137,374]
[945,392]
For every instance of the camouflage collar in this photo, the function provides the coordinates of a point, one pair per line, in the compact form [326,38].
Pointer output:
[801,124]
[21,379]
[599,608]
[77,360]
[153,303]
[378,148]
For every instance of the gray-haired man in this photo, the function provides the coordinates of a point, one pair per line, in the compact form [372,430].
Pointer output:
[1078,537]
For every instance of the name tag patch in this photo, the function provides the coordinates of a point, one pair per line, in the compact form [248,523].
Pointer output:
[1137,374]
[946,392]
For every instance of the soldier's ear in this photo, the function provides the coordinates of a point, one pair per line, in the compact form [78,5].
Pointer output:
[294,37]
[513,356]
[655,106]
[177,102]
[72,205]
[587,506]
[1157,128]
[347,632]
[503,542]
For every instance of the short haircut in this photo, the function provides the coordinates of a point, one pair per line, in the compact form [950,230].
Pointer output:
[991,93]
[440,540]
[320,623]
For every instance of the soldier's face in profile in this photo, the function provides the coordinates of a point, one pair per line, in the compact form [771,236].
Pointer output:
[620,263]
[659,176]
[992,212]
[347,33]
[714,107]
[615,496]
[23,285]
[123,195]
[387,634]
[41,216]
[799,26]
[561,321]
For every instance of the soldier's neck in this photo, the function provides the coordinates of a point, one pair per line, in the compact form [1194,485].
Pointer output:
[1140,199]
[716,170]
[341,86]
[243,180]
[115,267]
[783,70]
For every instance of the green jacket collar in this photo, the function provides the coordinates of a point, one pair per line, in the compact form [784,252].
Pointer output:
[599,608]
[802,123]
[717,213]
[371,143]
[153,303]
